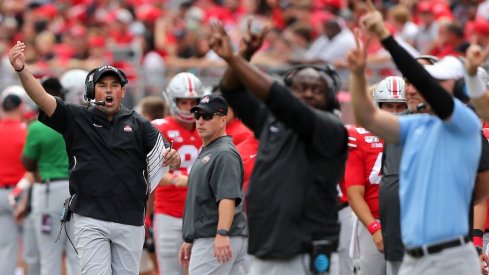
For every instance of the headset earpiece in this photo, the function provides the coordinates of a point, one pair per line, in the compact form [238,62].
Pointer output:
[330,76]
[90,86]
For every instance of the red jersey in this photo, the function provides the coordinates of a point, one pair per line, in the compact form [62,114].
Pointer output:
[12,139]
[247,146]
[170,200]
[363,166]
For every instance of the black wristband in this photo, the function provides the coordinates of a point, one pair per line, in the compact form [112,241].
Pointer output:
[21,69]
[477,233]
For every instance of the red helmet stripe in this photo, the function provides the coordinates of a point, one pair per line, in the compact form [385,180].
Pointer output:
[395,88]
[190,86]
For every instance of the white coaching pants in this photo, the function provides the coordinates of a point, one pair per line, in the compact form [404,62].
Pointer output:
[107,248]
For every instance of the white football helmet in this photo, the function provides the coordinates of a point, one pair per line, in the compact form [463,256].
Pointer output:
[391,89]
[182,85]
[73,82]
[20,92]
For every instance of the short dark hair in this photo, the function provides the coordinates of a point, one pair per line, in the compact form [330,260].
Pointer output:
[153,107]
[11,102]
[53,86]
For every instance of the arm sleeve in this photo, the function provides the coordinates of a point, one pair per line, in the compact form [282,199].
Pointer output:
[440,101]
[227,177]
[293,113]
[324,130]
[31,147]
[248,108]
[355,168]
[60,119]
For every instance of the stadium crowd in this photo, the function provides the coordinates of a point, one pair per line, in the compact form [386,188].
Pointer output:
[328,137]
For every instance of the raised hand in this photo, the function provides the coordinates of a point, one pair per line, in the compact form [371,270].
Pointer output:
[251,42]
[373,23]
[220,42]
[357,57]
[16,56]
[475,56]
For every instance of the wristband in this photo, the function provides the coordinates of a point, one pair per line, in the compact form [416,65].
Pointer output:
[477,235]
[475,86]
[477,241]
[20,70]
[374,227]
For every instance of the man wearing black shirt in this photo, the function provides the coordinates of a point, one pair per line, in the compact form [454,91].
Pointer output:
[115,159]
[292,198]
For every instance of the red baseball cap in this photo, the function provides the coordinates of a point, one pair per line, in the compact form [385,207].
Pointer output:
[481,27]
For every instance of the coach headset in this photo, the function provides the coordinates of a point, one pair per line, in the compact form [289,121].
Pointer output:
[90,85]
[329,75]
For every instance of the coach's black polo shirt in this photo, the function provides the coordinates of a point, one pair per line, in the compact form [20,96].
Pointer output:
[107,161]
[292,197]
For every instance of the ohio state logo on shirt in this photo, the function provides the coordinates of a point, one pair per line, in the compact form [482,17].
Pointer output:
[128,128]
[206,159]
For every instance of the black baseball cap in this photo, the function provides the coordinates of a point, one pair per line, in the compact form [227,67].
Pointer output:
[109,70]
[212,104]
[11,102]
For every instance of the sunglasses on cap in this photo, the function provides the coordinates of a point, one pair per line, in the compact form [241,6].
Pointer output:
[205,116]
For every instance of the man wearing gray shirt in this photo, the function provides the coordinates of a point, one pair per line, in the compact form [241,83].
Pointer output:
[214,225]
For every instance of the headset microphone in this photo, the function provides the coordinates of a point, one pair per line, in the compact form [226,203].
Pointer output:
[420,107]
[99,103]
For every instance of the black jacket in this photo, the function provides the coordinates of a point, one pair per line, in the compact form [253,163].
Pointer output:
[107,161]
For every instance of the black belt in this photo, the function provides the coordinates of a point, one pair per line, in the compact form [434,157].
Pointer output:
[419,252]
[53,179]
[343,205]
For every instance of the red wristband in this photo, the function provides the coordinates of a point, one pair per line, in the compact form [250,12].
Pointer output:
[477,241]
[373,227]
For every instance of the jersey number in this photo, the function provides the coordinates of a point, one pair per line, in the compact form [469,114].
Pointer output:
[375,174]
[189,154]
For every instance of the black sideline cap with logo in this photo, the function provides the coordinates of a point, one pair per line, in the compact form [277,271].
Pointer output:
[109,70]
[212,104]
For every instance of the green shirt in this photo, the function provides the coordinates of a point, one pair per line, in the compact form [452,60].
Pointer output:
[47,147]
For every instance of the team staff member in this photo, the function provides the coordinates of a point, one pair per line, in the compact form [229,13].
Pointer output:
[183,92]
[12,132]
[45,153]
[115,157]
[431,194]
[363,175]
[214,224]
[300,160]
